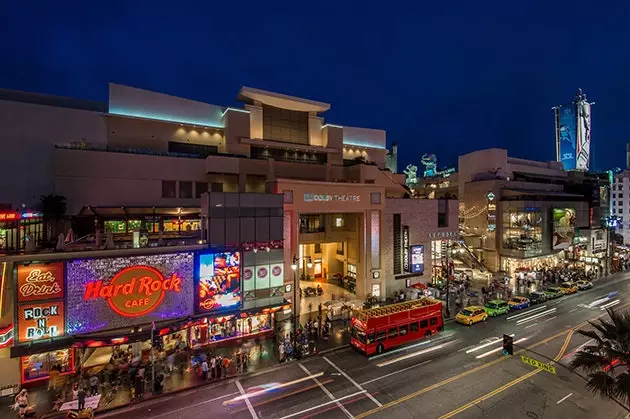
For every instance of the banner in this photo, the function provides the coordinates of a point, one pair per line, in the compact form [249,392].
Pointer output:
[563,228]
[219,285]
[583,135]
[40,321]
[567,136]
[37,282]
[417,259]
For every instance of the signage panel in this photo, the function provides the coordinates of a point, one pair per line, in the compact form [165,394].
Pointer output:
[405,249]
[563,227]
[417,259]
[39,321]
[538,364]
[38,282]
[219,284]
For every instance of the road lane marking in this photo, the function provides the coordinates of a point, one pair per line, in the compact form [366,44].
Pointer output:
[605,306]
[508,385]
[310,409]
[527,312]
[573,311]
[493,340]
[564,398]
[551,318]
[535,316]
[247,402]
[531,325]
[411,355]
[325,390]
[354,383]
[396,372]
[472,371]
[571,353]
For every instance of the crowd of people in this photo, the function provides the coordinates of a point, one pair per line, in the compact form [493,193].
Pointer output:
[297,346]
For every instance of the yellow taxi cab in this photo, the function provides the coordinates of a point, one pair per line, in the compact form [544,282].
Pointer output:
[470,315]
[568,288]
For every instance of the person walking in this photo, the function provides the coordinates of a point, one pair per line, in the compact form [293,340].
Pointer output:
[238,362]
[204,370]
[225,364]
[213,366]
[81,398]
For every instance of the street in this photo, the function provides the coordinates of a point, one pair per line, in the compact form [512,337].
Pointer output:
[457,373]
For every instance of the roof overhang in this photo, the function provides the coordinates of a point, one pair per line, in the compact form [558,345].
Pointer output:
[278,100]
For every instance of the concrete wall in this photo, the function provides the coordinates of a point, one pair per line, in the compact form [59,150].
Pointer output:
[236,127]
[27,137]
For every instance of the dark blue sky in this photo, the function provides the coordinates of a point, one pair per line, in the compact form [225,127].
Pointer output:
[439,76]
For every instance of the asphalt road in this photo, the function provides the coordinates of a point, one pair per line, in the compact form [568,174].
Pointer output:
[458,373]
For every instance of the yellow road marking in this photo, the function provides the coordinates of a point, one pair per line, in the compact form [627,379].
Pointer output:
[471,371]
[508,385]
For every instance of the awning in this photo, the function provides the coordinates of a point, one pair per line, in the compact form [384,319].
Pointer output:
[139,211]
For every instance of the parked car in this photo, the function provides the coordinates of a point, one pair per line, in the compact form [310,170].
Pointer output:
[553,292]
[568,288]
[537,297]
[496,307]
[584,285]
[518,303]
[470,315]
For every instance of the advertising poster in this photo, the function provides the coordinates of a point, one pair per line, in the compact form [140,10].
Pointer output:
[563,228]
[417,259]
[110,293]
[584,135]
[567,136]
[277,275]
[262,277]
[38,321]
[219,281]
[249,284]
[37,282]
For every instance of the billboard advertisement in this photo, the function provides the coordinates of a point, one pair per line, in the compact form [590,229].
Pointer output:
[40,282]
[563,227]
[583,135]
[417,259]
[567,136]
[219,285]
[38,321]
[110,293]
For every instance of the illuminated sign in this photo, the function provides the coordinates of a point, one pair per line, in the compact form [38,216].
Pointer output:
[443,234]
[310,197]
[220,281]
[9,216]
[6,336]
[37,282]
[3,271]
[566,135]
[563,227]
[492,211]
[134,291]
[417,259]
[405,249]
[40,321]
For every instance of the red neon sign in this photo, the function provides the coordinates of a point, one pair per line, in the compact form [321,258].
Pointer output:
[9,216]
[134,291]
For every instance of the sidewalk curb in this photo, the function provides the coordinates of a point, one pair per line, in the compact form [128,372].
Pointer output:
[157,398]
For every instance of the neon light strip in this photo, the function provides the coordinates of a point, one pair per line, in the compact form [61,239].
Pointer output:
[361,144]
[6,337]
[331,125]
[235,110]
[164,118]
[2,274]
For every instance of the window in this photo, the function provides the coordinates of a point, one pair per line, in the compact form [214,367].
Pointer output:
[413,327]
[522,230]
[216,187]
[392,333]
[403,330]
[339,221]
[620,210]
[620,196]
[201,150]
[424,324]
[340,248]
[371,337]
[185,190]
[614,195]
[200,187]
[168,189]
[443,213]
[375,198]
[382,335]
[433,321]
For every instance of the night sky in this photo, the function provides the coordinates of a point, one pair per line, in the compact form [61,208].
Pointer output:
[446,77]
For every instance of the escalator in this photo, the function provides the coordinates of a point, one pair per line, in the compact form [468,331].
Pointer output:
[467,257]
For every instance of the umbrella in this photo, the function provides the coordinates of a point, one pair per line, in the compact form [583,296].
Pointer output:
[29,243]
[60,242]
[71,237]
[97,238]
[109,241]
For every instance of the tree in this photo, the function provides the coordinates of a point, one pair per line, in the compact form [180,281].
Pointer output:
[607,361]
[54,208]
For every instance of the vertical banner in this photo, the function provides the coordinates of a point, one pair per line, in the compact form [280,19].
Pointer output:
[405,249]
[583,135]
[567,136]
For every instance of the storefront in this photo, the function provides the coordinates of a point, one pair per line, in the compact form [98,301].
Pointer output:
[18,228]
[511,265]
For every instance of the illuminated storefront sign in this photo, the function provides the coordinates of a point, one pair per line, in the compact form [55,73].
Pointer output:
[310,197]
[219,284]
[417,259]
[121,292]
[37,282]
[10,216]
[40,321]
[405,249]
[492,211]
[6,336]
[134,291]
[443,234]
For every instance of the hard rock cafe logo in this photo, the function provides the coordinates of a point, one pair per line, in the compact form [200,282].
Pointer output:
[134,291]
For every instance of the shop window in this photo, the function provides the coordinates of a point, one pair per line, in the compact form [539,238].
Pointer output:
[38,367]
[114,226]
[200,187]
[134,225]
[339,221]
[185,189]
[522,230]
[168,189]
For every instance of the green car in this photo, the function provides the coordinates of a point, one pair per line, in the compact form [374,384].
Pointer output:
[553,292]
[496,307]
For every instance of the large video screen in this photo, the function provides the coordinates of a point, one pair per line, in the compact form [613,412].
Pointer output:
[563,228]
[219,281]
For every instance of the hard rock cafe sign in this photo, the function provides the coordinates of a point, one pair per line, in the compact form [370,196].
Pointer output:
[39,282]
[134,291]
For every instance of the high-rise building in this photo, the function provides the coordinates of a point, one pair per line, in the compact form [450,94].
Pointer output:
[573,133]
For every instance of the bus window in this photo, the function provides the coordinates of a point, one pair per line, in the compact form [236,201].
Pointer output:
[371,337]
[434,321]
[413,327]
[358,334]
[393,332]
[381,335]
[424,324]
[403,330]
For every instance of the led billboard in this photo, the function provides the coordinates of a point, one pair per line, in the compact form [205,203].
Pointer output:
[567,136]
[219,285]
[563,228]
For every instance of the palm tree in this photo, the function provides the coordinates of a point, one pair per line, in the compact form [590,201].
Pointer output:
[607,361]
[54,208]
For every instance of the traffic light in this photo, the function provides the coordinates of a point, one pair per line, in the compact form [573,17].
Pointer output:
[508,345]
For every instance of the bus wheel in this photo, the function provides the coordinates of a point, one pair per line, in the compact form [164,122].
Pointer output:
[379,349]
[426,335]
[440,329]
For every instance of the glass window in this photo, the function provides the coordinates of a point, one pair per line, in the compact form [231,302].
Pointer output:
[392,333]
[433,321]
[375,198]
[424,324]
[358,334]
[200,187]
[381,335]
[185,190]
[134,225]
[413,327]
[402,331]
[216,187]
[168,189]
[620,196]
[114,226]
[522,230]
[339,221]
[371,337]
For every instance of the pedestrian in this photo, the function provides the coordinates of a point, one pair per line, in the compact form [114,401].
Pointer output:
[225,363]
[213,366]
[94,385]
[81,398]
[204,370]
[21,401]
[219,361]
[281,351]
[140,381]
[238,362]
[170,361]
[245,359]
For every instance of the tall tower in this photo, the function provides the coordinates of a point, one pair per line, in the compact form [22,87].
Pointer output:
[573,133]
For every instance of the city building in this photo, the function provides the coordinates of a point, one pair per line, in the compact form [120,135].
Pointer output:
[620,198]
[522,215]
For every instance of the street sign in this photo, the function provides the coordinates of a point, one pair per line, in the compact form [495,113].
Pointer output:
[535,363]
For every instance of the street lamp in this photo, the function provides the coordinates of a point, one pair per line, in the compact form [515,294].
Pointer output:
[309,263]
[296,314]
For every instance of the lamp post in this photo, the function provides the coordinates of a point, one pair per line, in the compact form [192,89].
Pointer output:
[296,314]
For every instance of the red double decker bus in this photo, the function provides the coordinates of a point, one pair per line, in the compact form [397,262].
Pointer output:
[379,329]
